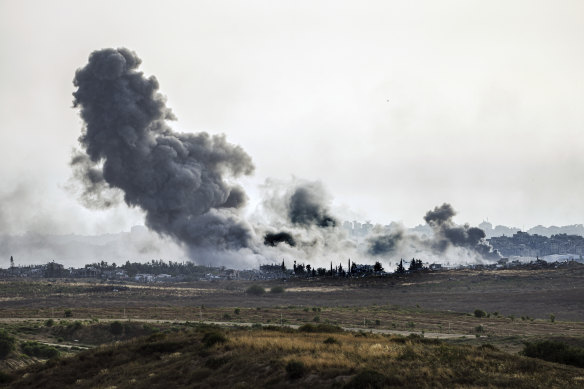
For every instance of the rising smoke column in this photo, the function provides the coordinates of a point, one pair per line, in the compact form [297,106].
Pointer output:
[177,179]
[306,206]
[447,233]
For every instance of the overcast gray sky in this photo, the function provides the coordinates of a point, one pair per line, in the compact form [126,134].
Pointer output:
[396,106]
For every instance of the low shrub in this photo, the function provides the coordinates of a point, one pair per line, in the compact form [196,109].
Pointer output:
[49,323]
[322,327]
[39,350]
[116,328]
[213,338]
[331,340]
[554,351]
[480,313]
[295,369]
[277,289]
[255,290]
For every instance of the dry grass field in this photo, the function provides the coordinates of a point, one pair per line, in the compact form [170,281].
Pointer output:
[474,350]
[205,357]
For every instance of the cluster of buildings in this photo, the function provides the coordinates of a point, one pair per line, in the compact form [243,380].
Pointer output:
[522,244]
[112,272]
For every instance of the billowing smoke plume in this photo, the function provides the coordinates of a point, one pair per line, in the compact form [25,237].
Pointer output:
[446,233]
[306,207]
[178,179]
[273,239]
[446,236]
[301,224]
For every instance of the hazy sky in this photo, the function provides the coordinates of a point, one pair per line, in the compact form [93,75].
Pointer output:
[396,106]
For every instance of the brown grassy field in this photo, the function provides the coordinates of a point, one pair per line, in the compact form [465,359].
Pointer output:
[517,303]
[205,357]
[533,293]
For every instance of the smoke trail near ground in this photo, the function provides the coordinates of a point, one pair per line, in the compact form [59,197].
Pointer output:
[386,243]
[179,180]
[446,236]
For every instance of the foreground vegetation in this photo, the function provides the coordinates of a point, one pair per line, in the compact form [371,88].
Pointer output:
[316,355]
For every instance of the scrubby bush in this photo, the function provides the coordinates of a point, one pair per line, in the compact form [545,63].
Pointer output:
[237,311]
[49,323]
[480,313]
[39,350]
[277,289]
[68,313]
[554,351]
[322,327]
[7,344]
[295,369]
[116,328]
[331,340]
[214,337]
[255,290]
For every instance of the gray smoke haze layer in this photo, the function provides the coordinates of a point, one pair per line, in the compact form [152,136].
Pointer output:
[446,235]
[178,179]
[386,243]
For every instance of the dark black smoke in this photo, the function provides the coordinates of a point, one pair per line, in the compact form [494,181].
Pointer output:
[446,233]
[177,179]
[273,239]
[384,244]
[307,207]
[440,215]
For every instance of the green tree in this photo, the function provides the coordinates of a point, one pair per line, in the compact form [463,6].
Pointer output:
[415,265]
[400,268]
[377,267]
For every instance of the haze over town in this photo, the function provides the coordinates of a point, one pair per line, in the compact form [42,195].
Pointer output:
[385,111]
